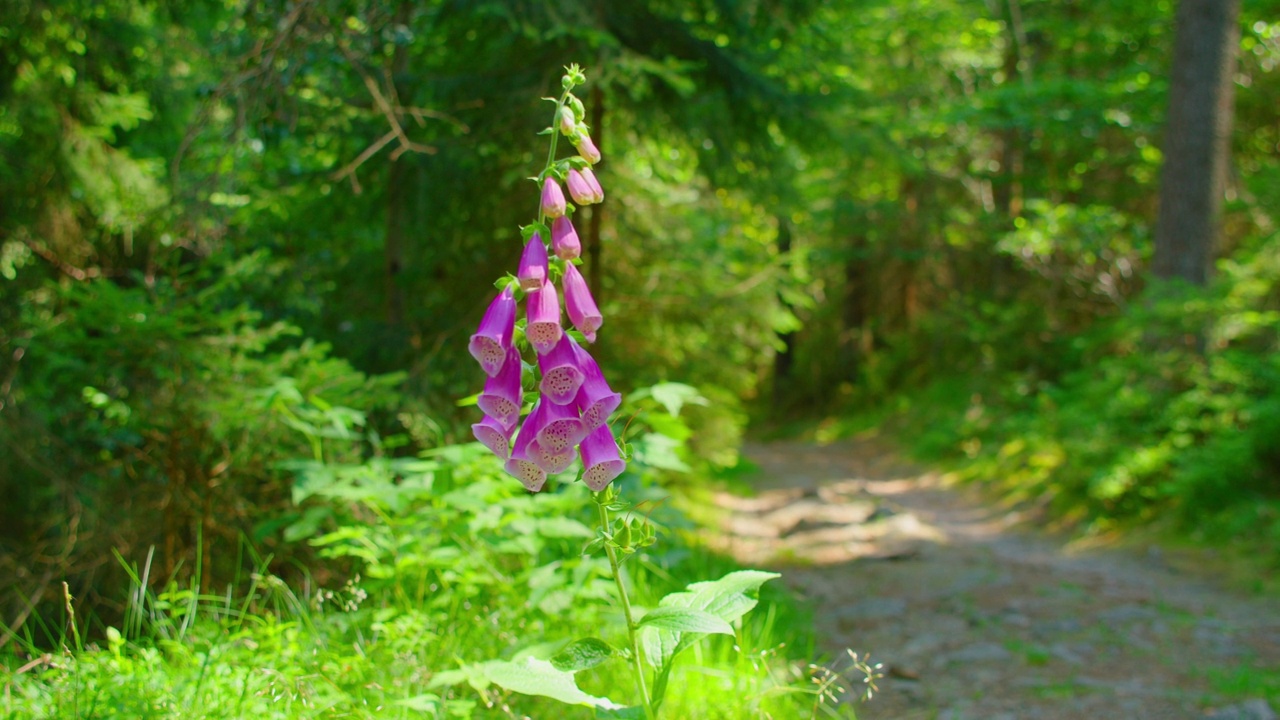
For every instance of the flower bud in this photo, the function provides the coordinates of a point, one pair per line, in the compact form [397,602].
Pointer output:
[533,265]
[567,123]
[579,188]
[597,192]
[564,239]
[586,148]
[552,198]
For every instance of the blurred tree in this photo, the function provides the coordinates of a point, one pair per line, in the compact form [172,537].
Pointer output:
[1197,138]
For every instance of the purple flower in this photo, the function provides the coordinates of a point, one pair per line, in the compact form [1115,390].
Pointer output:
[586,148]
[521,464]
[552,198]
[579,189]
[596,400]
[542,314]
[601,462]
[561,377]
[560,426]
[494,436]
[533,264]
[489,345]
[581,306]
[551,461]
[502,394]
[597,192]
[565,239]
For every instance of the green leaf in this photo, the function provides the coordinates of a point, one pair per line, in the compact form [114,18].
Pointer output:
[583,654]
[682,619]
[728,598]
[539,677]
[674,396]
[426,703]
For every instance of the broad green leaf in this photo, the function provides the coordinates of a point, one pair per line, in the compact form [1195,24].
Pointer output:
[674,396]
[539,677]
[583,654]
[659,451]
[682,619]
[425,703]
[728,598]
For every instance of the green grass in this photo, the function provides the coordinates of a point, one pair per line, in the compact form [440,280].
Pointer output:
[446,564]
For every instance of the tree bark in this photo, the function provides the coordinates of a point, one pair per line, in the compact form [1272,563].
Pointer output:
[1196,144]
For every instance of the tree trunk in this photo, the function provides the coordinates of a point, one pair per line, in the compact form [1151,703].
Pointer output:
[1196,149]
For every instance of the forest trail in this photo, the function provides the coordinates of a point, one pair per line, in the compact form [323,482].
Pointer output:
[976,617]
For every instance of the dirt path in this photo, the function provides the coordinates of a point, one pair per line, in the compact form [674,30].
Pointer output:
[977,619]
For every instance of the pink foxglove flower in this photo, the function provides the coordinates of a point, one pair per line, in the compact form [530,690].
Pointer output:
[551,461]
[586,148]
[489,345]
[532,270]
[564,239]
[494,436]
[542,314]
[579,189]
[553,205]
[561,376]
[560,426]
[596,400]
[601,462]
[521,464]
[583,312]
[502,394]
[597,192]
[567,122]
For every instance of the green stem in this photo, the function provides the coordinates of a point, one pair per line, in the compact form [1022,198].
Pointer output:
[551,154]
[632,630]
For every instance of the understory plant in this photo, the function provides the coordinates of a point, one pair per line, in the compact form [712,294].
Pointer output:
[566,404]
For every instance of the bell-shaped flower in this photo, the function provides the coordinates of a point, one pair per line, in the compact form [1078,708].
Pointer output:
[521,464]
[579,189]
[596,400]
[560,426]
[542,313]
[533,264]
[561,376]
[494,436]
[551,461]
[583,312]
[597,192]
[566,121]
[490,342]
[553,205]
[586,148]
[564,239]
[502,394]
[601,462]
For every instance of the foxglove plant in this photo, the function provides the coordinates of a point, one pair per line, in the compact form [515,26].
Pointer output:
[570,419]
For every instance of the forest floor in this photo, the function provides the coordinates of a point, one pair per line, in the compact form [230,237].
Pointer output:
[975,614]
